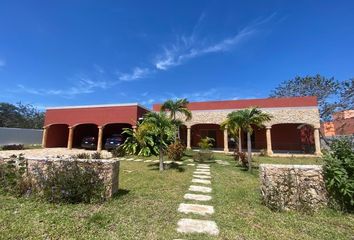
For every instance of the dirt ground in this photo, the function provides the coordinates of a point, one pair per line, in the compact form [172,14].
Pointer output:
[49,152]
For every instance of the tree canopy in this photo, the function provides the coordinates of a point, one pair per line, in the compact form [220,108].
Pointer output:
[20,116]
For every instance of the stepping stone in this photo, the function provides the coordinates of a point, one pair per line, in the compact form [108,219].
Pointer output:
[202,189]
[206,167]
[190,164]
[197,197]
[202,170]
[202,176]
[156,161]
[221,162]
[186,225]
[168,162]
[196,208]
[202,173]
[189,160]
[202,164]
[179,163]
[130,159]
[203,181]
[138,160]
[148,161]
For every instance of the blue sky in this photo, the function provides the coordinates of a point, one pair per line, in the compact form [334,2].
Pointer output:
[55,53]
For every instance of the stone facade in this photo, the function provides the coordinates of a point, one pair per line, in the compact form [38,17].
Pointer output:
[107,169]
[297,187]
[305,115]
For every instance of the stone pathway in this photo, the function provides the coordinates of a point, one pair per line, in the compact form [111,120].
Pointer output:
[180,163]
[196,197]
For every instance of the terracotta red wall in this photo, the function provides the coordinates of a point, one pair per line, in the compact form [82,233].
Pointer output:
[57,136]
[196,134]
[99,116]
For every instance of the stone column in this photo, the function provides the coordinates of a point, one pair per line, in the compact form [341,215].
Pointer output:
[269,141]
[226,141]
[100,137]
[134,128]
[44,137]
[70,138]
[316,134]
[188,137]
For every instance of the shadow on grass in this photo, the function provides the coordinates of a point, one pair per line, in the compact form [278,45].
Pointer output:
[173,165]
[120,193]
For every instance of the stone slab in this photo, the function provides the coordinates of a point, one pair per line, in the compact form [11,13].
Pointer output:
[197,197]
[196,209]
[202,170]
[138,160]
[202,176]
[148,161]
[186,225]
[202,189]
[202,173]
[202,181]
[203,167]
[190,164]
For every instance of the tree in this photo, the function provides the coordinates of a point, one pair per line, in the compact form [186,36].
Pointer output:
[20,116]
[244,120]
[174,107]
[234,131]
[326,90]
[347,94]
[163,128]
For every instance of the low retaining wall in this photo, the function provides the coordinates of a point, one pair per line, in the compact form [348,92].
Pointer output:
[107,169]
[298,187]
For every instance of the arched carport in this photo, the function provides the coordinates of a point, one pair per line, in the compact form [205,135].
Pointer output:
[112,129]
[56,135]
[199,131]
[84,130]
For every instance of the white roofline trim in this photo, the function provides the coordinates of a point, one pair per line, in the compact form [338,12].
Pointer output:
[99,106]
[235,109]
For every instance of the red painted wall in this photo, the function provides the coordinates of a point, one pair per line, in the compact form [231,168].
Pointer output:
[57,136]
[98,115]
[262,103]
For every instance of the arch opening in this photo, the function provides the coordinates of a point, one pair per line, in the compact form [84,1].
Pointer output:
[199,131]
[82,131]
[114,129]
[57,135]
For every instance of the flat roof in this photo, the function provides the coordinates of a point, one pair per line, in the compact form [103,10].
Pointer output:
[99,106]
[288,102]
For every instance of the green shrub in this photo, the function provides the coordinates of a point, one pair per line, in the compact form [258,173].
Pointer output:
[96,155]
[339,173]
[68,182]
[82,156]
[13,176]
[13,147]
[241,157]
[203,156]
[206,143]
[118,152]
[175,151]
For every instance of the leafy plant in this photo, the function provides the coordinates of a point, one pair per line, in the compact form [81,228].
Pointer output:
[118,152]
[241,157]
[339,173]
[82,156]
[206,143]
[13,147]
[175,151]
[96,155]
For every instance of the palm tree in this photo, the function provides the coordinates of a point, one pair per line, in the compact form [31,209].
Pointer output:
[162,126]
[174,107]
[234,131]
[243,120]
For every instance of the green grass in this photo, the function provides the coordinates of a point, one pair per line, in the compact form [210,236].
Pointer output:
[146,208]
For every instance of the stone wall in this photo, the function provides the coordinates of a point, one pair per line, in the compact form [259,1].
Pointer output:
[305,115]
[107,169]
[297,187]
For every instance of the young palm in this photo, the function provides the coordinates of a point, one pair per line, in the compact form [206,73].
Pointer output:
[244,119]
[234,131]
[162,126]
[174,107]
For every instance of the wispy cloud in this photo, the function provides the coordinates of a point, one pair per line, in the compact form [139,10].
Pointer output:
[189,47]
[136,73]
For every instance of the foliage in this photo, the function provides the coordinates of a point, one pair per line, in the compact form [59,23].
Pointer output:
[339,172]
[175,151]
[13,147]
[20,116]
[68,182]
[96,155]
[118,152]
[13,176]
[178,106]
[245,120]
[331,94]
[203,156]
[82,156]
[206,143]
[241,158]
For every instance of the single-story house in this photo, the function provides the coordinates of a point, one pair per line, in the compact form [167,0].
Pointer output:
[294,127]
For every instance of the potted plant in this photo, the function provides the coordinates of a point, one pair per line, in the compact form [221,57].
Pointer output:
[205,153]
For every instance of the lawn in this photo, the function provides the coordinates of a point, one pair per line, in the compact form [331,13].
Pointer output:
[146,208]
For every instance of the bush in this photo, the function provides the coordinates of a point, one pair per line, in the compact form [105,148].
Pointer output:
[82,156]
[70,183]
[13,176]
[203,155]
[175,151]
[206,143]
[118,151]
[13,147]
[96,155]
[241,158]
[339,173]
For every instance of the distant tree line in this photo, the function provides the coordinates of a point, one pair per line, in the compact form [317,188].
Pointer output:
[20,116]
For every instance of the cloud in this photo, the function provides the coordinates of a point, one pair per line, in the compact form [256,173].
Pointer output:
[137,73]
[189,47]
[2,63]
